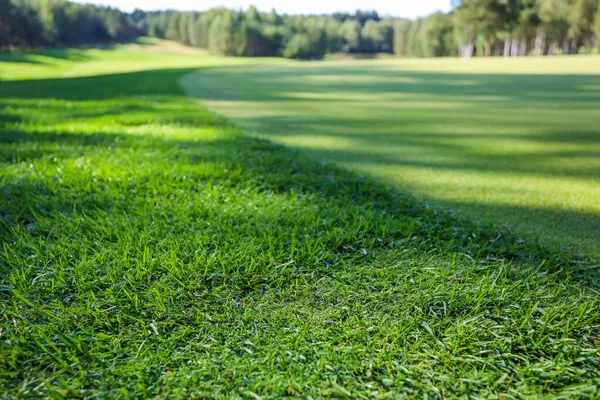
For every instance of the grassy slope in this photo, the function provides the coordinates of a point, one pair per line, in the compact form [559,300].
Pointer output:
[149,249]
[145,55]
[513,141]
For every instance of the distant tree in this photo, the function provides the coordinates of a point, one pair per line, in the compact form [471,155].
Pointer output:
[5,22]
[435,36]
[200,29]
[363,16]
[350,31]
[46,16]
[596,28]
[139,21]
[298,46]
[172,31]
[6,16]
[220,34]
[331,27]
[302,45]
[581,19]
[371,36]
[117,24]
[186,21]
[20,26]
[271,39]
[252,15]
[274,18]
[471,18]
[472,28]
[413,49]
[553,24]
[525,28]
[401,29]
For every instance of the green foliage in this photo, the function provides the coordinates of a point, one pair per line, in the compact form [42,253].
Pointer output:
[252,15]
[413,46]
[19,26]
[351,30]
[151,250]
[581,17]
[435,36]
[401,29]
[474,27]
[252,33]
[377,37]
[302,45]
[220,35]
[596,27]
[172,32]
[33,23]
[273,18]
[298,46]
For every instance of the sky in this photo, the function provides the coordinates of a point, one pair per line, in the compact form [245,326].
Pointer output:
[396,8]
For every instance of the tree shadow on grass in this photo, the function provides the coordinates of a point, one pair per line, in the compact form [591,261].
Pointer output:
[102,87]
[44,56]
[405,217]
[563,91]
[366,147]
[429,121]
[65,54]
[395,220]
[442,153]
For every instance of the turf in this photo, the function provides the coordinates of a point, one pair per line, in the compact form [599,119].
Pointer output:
[143,55]
[511,141]
[150,248]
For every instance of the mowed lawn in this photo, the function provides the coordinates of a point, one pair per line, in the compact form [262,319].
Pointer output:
[511,141]
[152,249]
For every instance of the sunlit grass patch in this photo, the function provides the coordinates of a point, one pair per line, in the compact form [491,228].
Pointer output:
[514,142]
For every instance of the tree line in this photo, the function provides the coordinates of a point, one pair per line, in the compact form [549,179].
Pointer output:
[522,27]
[471,28]
[59,23]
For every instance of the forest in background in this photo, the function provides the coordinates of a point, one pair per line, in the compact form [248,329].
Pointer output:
[472,28]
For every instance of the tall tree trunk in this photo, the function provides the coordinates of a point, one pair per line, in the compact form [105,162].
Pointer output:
[566,45]
[539,42]
[469,50]
[507,47]
[523,48]
[514,48]
[488,48]
[574,46]
[588,43]
[497,48]
[552,48]
[471,46]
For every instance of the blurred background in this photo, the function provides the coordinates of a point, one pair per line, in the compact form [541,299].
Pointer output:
[431,28]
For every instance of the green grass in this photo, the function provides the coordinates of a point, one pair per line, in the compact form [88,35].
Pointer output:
[512,141]
[146,54]
[152,249]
